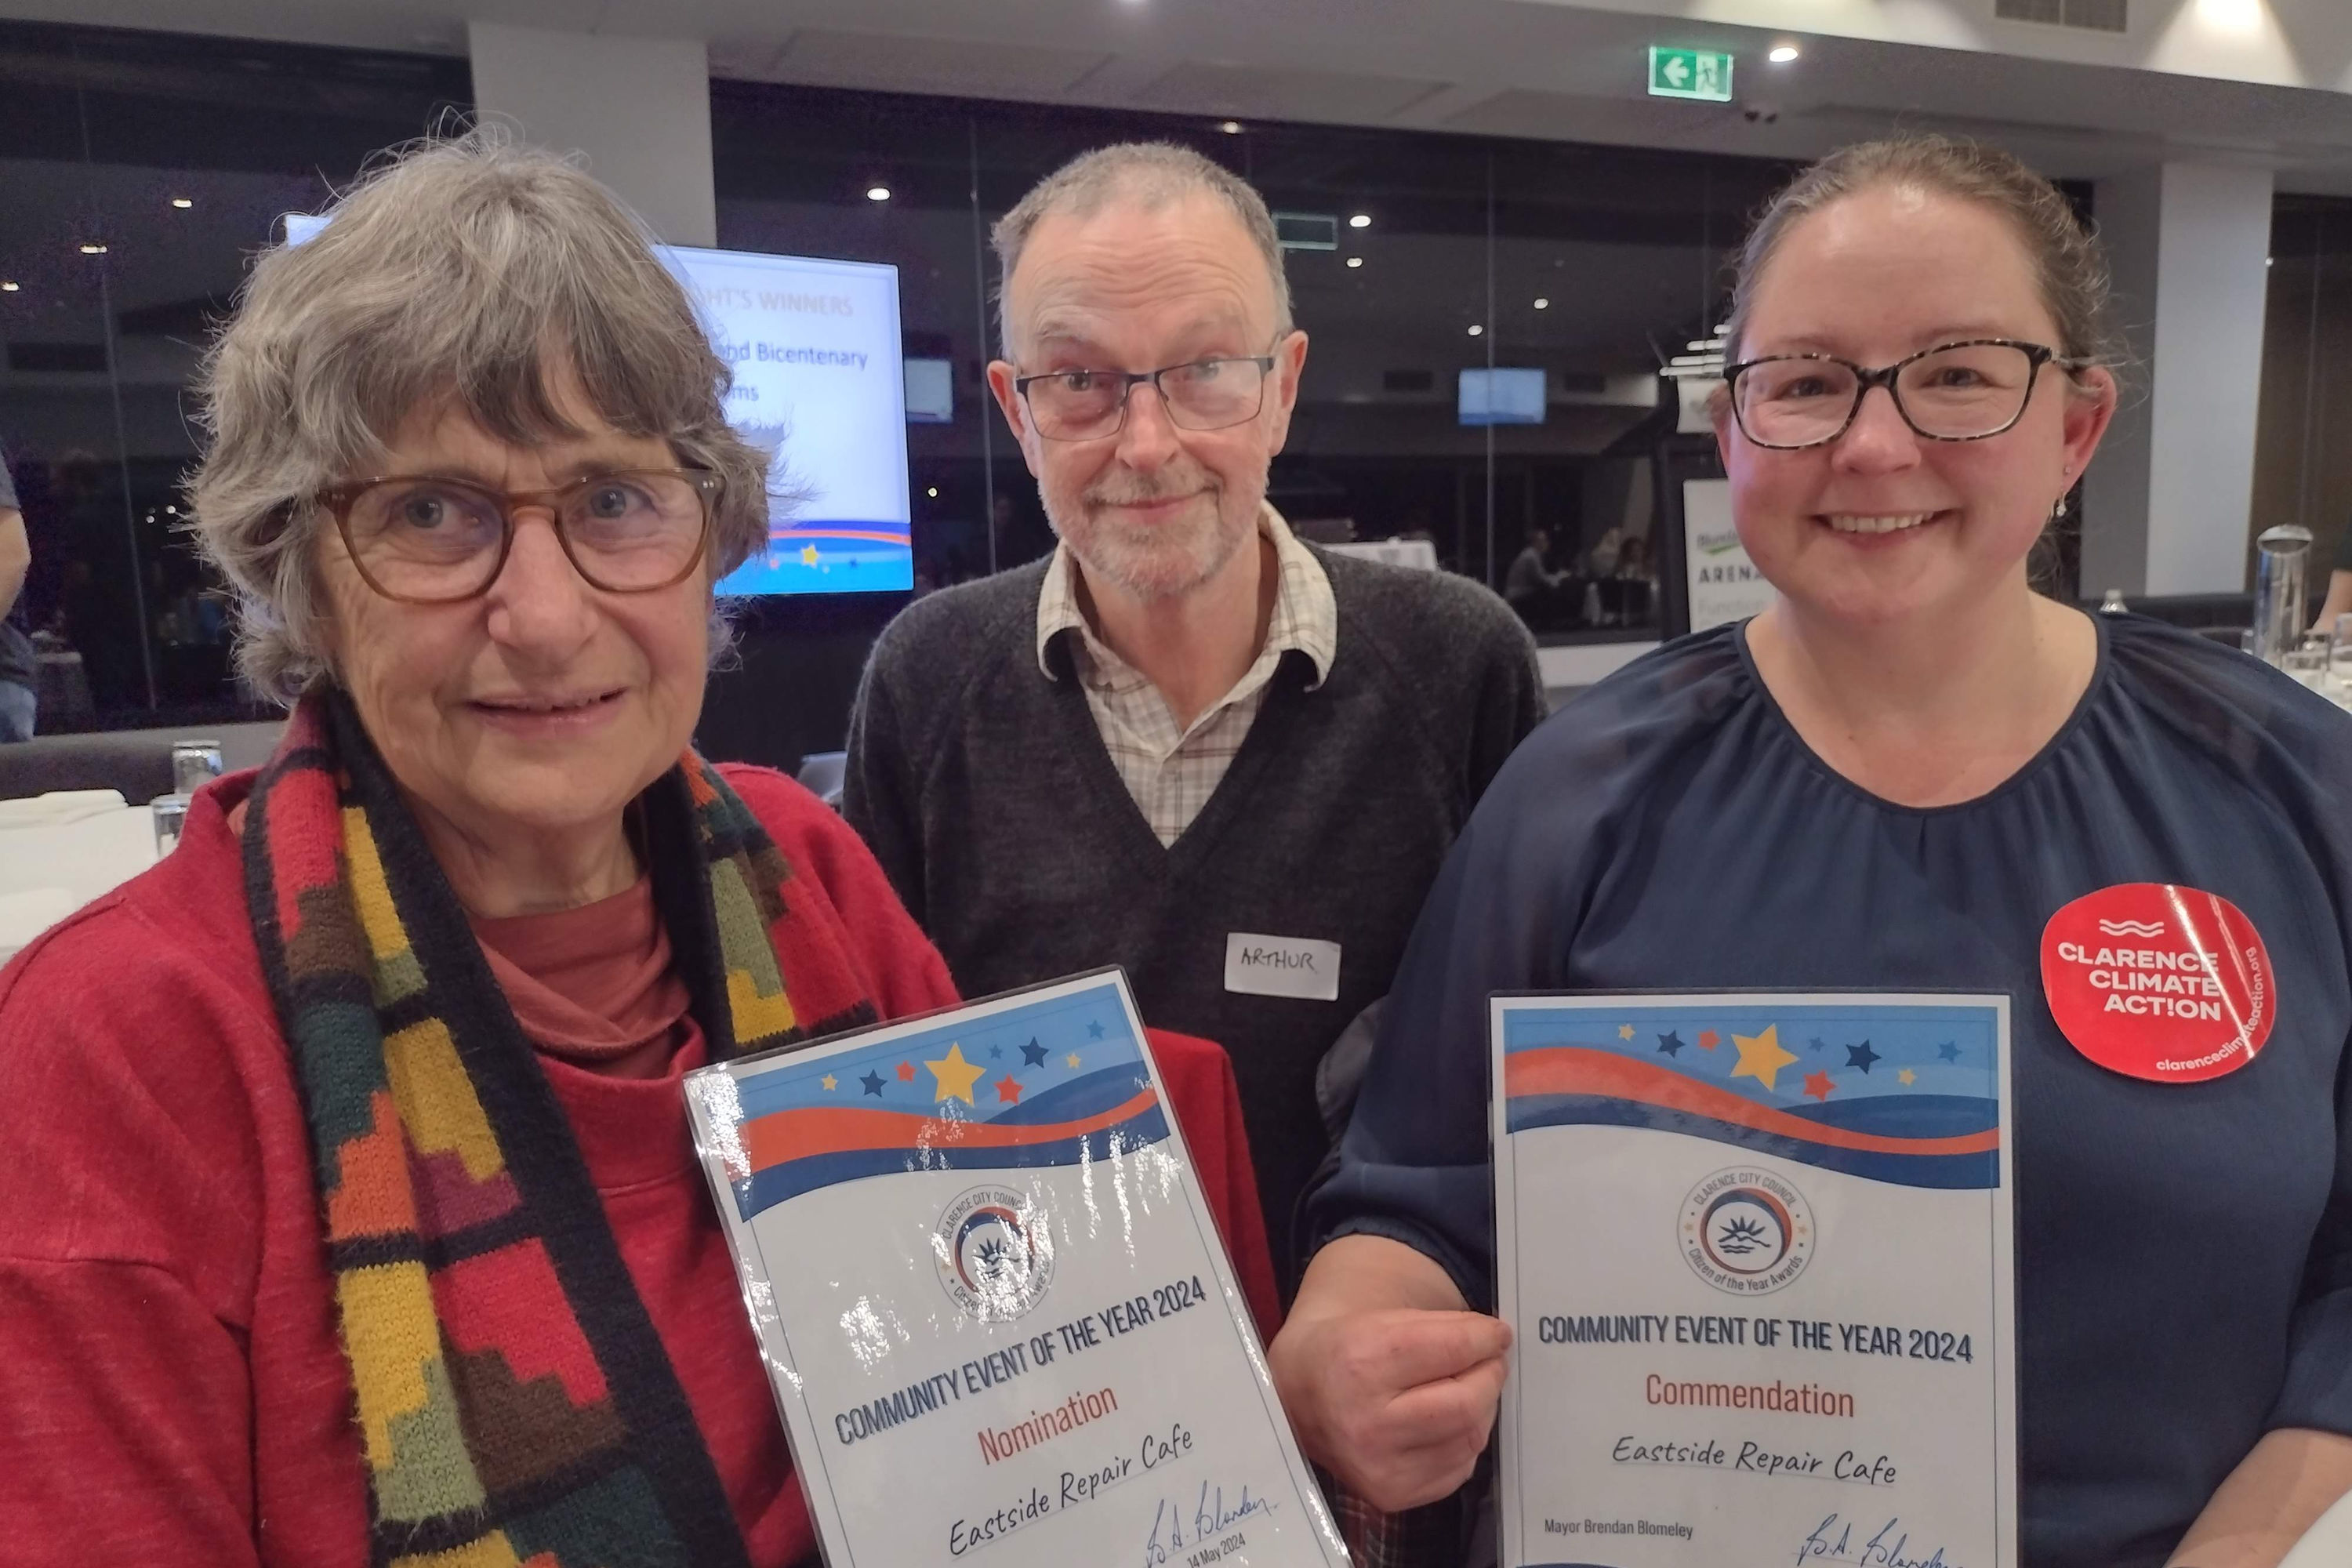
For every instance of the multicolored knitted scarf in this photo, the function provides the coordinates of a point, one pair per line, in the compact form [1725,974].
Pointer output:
[514,1403]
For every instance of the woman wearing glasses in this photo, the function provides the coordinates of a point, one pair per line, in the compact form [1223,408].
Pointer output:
[352,1215]
[1893,778]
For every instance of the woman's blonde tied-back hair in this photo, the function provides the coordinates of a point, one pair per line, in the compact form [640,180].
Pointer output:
[466,273]
[2067,260]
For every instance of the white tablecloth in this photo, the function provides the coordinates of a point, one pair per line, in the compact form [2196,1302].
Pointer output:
[44,863]
[2329,1543]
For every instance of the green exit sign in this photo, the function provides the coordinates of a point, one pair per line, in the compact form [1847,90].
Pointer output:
[1690,73]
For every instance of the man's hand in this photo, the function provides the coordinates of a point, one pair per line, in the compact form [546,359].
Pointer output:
[1391,1383]
[1398,1403]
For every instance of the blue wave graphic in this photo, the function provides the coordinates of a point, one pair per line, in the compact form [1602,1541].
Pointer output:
[1943,1172]
[1905,1115]
[779,1183]
[1078,1098]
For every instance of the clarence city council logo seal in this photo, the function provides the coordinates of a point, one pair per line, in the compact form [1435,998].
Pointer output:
[1747,1231]
[994,1253]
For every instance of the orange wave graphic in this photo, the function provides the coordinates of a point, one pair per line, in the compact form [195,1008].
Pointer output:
[785,534]
[785,1136]
[1575,1069]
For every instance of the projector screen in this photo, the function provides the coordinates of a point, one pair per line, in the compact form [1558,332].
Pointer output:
[1501,397]
[820,382]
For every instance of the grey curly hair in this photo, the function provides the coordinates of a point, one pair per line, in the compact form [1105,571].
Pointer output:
[465,272]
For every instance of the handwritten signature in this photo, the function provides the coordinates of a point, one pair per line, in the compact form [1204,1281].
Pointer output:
[1833,1542]
[1211,1518]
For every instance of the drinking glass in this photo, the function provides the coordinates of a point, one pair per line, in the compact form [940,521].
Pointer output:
[195,763]
[171,814]
[2306,660]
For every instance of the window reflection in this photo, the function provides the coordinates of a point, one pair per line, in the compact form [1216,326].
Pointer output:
[142,172]
[1546,282]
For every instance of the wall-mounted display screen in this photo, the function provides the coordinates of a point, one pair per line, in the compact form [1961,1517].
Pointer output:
[930,391]
[1502,397]
[818,379]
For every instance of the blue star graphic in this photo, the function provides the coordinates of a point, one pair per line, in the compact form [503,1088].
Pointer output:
[1861,1055]
[1818,1044]
[1670,1042]
[1033,1055]
[1094,1031]
[1947,1052]
[996,1053]
[872,1082]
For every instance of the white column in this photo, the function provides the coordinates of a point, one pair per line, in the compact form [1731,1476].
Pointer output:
[2168,504]
[638,108]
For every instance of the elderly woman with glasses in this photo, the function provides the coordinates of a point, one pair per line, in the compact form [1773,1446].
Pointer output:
[1893,779]
[351,1214]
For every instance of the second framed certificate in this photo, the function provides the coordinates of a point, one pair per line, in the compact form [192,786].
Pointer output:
[1758,1253]
[1000,1324]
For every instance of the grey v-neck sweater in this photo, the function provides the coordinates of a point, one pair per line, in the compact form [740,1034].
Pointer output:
[987,794]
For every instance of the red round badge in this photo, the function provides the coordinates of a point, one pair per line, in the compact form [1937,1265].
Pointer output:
[2160,982]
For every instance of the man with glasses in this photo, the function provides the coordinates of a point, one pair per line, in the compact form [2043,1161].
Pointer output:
[1186,742]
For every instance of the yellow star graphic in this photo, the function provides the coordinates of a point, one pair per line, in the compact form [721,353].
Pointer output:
[828,1082]
[955,1076]
[1760,1056]
[808,555]
[1908,1076]
[1624,1031]
[1072,1058]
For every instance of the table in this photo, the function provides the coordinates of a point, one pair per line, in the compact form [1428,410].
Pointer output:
[2328,1543]
[80,859]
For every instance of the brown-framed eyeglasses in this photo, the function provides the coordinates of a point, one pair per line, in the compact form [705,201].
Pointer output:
[429,539]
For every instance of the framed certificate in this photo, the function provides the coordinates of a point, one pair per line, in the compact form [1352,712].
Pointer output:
[999,1322]
[1757,1251]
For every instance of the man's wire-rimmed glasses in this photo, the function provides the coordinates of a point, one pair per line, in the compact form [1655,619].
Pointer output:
[1966,391]
[426,539]
[1200,394]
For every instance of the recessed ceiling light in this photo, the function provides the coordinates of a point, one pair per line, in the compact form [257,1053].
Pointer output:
[10,288]
[1361,220]
[1355,261]
[1230,126]
[1543,305]
[1475,329]
[1783,55]
[183,203]
[933,492]
[92,247]
[877,193]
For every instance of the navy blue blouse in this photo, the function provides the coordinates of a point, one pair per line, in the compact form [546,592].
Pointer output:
[2185,1270]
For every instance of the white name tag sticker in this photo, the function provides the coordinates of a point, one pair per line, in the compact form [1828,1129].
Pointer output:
[1282,966]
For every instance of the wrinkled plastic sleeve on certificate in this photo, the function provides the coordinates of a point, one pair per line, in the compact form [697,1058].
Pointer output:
[998,1320]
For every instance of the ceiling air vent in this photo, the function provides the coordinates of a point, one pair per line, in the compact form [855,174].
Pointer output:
[2097,15]
[1308,231]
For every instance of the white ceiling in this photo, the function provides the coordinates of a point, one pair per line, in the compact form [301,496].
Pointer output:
[1548,70]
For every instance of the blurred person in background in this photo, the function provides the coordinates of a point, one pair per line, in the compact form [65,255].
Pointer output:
[20,668]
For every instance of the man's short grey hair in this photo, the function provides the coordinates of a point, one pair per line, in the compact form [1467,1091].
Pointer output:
[467,274]
[1152,175]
